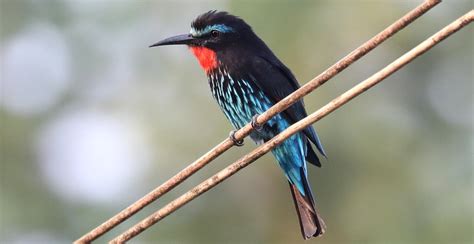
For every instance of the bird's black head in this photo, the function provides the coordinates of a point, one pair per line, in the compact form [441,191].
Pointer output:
[219,38]
[214,30]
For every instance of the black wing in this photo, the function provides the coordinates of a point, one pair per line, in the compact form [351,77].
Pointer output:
[277,82]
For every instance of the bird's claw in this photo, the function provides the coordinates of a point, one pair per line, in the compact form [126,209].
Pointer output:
[255,124]
[236,142]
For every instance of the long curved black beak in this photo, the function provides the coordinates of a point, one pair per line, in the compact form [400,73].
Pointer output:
[176,40]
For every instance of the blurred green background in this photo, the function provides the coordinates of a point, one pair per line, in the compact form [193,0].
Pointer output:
[92,119]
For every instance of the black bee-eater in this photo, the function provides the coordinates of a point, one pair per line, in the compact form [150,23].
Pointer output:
[246,79]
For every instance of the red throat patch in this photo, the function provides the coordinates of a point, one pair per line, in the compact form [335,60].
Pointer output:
[206,57]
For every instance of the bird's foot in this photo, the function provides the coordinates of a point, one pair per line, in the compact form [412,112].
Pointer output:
[255,124]
[236,142]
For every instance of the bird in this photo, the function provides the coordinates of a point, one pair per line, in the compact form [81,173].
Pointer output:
[246,78]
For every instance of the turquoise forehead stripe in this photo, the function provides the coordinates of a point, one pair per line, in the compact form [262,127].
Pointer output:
[220,27]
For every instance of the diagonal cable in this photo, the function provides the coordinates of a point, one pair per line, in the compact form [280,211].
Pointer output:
[300,125]
[263,118]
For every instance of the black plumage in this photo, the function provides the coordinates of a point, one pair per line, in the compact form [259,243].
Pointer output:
[246,79]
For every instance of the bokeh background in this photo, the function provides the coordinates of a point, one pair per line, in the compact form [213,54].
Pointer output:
[92,119]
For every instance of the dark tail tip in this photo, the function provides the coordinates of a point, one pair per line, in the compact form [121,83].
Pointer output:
[311,224]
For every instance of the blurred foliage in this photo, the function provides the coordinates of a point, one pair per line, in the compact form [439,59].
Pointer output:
[91,119]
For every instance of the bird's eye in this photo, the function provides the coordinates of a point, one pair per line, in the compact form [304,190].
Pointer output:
[215,33]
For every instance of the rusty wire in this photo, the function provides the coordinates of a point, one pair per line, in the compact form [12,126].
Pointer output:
[300,125]
[243,132]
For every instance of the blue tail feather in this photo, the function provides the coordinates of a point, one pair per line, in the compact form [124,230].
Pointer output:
[291,157]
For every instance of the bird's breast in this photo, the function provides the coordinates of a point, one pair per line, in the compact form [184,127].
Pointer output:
[238,98]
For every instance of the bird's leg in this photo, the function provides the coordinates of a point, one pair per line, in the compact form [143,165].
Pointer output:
[236,142]
[255,124]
